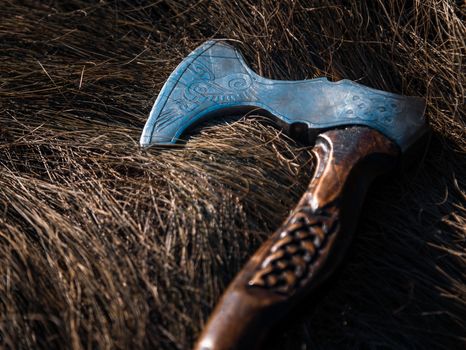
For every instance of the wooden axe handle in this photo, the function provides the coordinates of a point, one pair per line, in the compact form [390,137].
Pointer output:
[308,246]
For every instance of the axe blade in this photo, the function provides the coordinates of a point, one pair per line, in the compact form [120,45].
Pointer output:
[214,80]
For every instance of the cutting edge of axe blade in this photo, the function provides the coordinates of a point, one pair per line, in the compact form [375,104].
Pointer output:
[214,80]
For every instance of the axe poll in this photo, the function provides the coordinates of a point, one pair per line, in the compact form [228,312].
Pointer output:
[358,133]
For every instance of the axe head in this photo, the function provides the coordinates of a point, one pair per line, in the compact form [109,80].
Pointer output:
[214,80]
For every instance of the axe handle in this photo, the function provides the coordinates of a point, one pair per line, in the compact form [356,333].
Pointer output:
[308,246]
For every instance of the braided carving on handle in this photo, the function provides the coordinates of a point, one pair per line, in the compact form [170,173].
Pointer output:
[308,246]
[288,264]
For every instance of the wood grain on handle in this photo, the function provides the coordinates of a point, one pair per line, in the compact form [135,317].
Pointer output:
[308,246]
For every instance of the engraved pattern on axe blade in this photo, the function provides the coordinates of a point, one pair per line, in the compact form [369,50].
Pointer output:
[215,80]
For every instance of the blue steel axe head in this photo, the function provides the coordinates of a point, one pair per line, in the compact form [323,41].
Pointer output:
[214,80]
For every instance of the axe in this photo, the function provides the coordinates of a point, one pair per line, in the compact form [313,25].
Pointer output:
[358,133]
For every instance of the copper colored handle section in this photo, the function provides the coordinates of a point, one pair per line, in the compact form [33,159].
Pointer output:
[307,247]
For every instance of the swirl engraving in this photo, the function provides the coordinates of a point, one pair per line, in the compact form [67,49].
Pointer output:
[199,88]
[231,88]
[290,261]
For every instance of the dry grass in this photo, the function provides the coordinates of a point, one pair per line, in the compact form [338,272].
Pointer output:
[103,245]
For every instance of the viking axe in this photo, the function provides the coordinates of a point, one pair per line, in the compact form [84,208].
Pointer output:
[358,134]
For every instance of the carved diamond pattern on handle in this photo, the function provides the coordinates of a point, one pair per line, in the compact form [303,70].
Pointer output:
[289,263]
